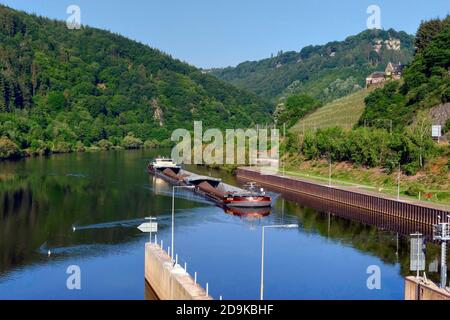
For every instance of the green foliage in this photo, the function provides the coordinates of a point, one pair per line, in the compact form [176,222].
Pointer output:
[386,104]
[64,90]
[414,190]
[295,108]
[61,147]
[8,149]
[447,126]
[104,144]
[368,147]
[131,142]
[150,144]
[427,31]
[325,72]
[426,80]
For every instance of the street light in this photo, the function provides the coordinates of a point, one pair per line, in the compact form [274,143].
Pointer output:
[173,213]
[150,226]
[398,181]
[398,178]
[285,226]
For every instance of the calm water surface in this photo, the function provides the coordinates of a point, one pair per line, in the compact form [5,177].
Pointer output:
[105,196]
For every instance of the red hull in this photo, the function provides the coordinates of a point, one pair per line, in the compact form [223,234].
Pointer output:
[243,201]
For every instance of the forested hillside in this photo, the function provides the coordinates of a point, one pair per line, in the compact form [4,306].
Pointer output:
[426,80]
[325,72]
[405,102]
[62,90]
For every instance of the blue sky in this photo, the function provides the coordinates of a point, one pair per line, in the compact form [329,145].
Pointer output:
[217,33]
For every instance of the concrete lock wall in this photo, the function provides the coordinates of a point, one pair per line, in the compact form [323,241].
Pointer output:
[169,282]
[418,289]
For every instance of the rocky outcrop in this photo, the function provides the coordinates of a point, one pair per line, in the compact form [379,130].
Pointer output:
[440,114]
[158,113]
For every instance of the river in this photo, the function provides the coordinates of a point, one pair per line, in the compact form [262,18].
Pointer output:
[84,209]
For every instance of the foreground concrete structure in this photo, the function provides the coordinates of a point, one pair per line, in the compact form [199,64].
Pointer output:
[420,289]
[167,281]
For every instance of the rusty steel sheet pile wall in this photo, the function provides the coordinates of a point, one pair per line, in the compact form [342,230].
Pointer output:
[404,212]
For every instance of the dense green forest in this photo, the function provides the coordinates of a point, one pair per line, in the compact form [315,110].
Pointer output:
[325,72]
[426,80]
[63,90]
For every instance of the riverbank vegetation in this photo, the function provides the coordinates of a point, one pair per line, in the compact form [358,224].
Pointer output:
[370,147]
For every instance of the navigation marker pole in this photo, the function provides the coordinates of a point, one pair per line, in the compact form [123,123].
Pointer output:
[398,181]
[441,232]
[417,254]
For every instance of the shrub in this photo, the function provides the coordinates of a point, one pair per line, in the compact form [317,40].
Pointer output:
[447,126]
[79,147]
[150,144]
[415,190]
[61,147]
[104,144]
[39,147]
[8,149]
[411,168]
[131,142]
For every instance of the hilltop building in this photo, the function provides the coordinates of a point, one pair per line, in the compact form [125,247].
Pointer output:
[393,72]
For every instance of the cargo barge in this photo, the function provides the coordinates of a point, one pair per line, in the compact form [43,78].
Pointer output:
[210,187]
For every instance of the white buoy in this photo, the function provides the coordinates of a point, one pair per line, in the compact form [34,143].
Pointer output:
[74,228]
[49,253]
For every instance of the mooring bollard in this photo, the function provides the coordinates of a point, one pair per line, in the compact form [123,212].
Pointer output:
[195,277]
[185,267]
[207,289]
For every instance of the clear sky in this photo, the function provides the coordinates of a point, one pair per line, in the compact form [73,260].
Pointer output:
[217,33]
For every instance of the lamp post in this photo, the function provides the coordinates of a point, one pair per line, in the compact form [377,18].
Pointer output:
[150,226]
[329,172]
[173,215]
[286,226]
[398,181]
[398,178]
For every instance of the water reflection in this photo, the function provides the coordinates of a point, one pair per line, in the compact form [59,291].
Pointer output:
[248,213]
[382,222]
[85,208]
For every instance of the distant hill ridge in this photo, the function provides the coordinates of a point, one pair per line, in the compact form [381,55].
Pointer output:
[326,71]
